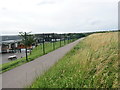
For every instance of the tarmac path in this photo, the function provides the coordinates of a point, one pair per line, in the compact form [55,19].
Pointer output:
[25,74]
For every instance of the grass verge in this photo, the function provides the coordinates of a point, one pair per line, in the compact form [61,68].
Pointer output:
[93,63]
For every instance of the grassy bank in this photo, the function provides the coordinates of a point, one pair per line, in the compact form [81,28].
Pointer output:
[93,63]
[36,52]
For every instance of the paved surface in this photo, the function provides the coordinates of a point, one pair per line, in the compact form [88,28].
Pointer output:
[6,55]
[24,75]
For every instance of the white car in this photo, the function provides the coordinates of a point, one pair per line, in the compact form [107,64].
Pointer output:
[12,57]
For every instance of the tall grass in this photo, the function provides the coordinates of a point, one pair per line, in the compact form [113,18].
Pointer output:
[93,63]
[36,52]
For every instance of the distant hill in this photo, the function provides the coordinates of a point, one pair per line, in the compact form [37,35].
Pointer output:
[5,38]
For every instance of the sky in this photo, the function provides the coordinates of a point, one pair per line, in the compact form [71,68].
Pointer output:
[57,16]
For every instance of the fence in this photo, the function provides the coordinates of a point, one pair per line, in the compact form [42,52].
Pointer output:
[54,37]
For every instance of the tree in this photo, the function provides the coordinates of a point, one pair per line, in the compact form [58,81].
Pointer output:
[27,39]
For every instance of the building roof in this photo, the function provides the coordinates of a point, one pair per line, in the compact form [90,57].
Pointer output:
[10,41]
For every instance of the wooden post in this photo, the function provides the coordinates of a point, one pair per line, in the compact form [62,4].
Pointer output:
[64,39]
[60,40]
[53,42]
[26,46]
[67,39]
[43,45]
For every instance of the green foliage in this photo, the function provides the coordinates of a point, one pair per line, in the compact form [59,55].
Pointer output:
[91,64]
[27,38]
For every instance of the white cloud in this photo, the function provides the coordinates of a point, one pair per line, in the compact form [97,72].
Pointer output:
[57,15]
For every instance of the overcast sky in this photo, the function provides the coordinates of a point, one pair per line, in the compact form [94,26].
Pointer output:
[59,16]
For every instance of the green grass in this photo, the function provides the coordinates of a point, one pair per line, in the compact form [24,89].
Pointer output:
[36,52]
[93,63]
